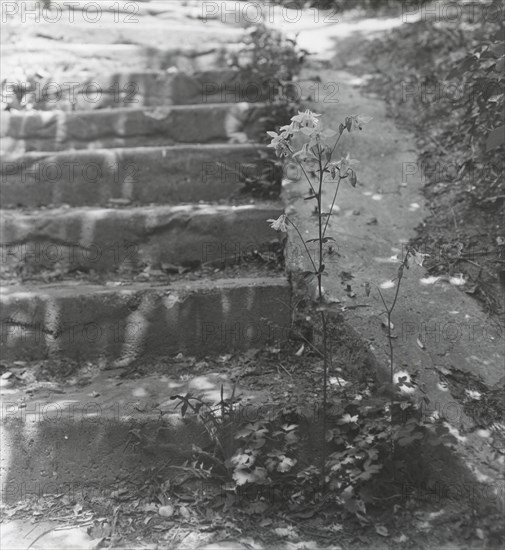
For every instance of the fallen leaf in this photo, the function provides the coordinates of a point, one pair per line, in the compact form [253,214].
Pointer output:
[257,507]
[184,512]
[166,511]
[383,532]
[300,351]
[286,532]
[420,344]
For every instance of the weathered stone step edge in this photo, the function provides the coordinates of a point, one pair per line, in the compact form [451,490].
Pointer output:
[111,128]
[123,324]
[129,239]
[144,89]
[143,34]
[95,433]
[116,56]
[123,11]
[170,174]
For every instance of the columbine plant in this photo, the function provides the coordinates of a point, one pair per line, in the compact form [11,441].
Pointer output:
[316,156]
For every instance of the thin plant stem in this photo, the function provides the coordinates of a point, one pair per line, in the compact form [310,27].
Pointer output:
[304,243]
[302,167]
[332,205]
[323,316]
[319,269]
[333,150]
[389,311]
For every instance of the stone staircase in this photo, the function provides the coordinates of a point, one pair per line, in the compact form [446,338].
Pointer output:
[121,214]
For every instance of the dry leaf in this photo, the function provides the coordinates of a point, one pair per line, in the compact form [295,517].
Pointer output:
[166,511]
[383,532]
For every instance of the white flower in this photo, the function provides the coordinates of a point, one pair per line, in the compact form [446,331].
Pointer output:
[279,224]
[279,143]
[360,120]
[345,164]
[308,119]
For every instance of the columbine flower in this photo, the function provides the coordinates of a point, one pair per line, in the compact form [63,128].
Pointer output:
[308,119]
[279,143]
[358,121]
[279,224]
[346,164]
[288,131]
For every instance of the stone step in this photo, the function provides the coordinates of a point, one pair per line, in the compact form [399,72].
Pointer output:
[123,324]
[133,14]
[139,89]
[144,175]
[69,62]
[145,33]
[56,440]
[127,240]
[27,131]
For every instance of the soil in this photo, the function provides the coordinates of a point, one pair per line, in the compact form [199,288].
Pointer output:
[201,512]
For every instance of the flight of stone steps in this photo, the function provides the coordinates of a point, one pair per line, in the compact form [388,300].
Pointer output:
[119,237]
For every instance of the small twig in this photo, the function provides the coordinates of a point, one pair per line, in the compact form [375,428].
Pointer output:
[456,228]
[310,344]
[285,370]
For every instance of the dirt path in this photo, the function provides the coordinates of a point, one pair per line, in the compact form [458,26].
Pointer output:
[442,337]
